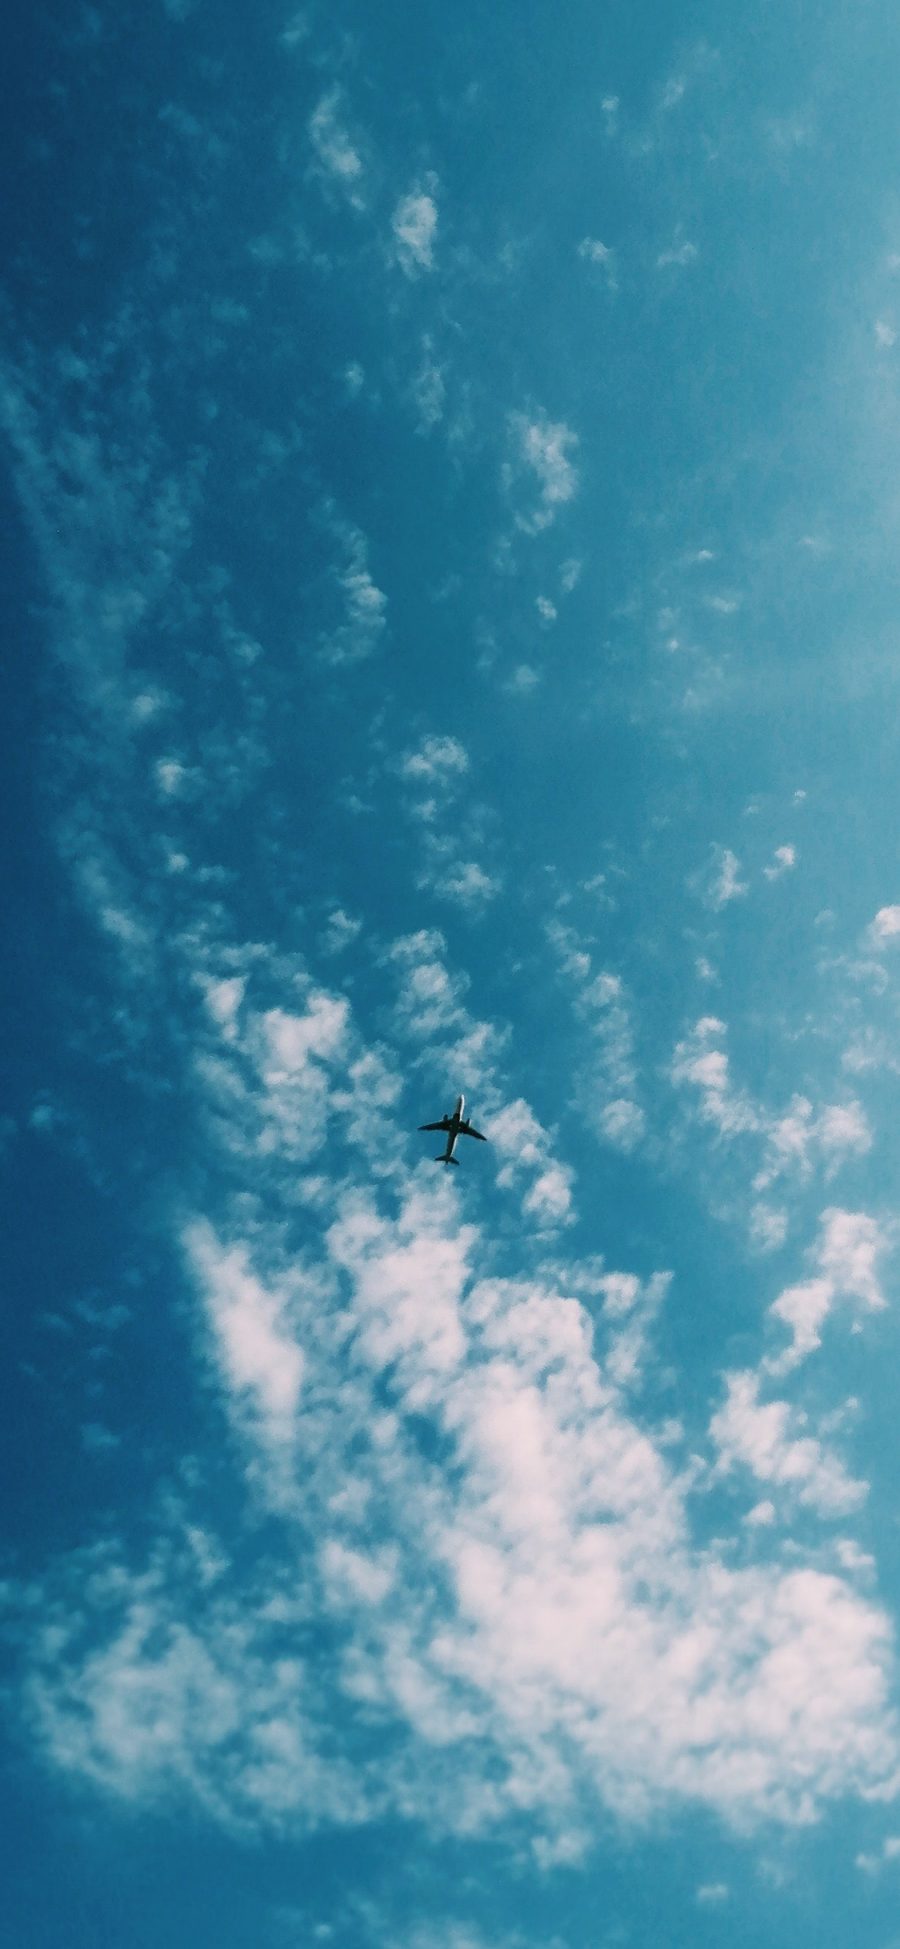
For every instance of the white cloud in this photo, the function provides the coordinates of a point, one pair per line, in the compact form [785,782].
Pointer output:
[523,681]
[435,760]
[543,449]
[257,1353]
[725,882]
[802,1308]
[761,1516]
[783,860]
[700,1065]
[414,224]
[532,1624]
[801,1137]
[522,1145]
[677,254]
[97,1439]
[407,1279]
[711,1894]
[297,30]
[429,389]
[268,1080]
[846,1257]
[607,1088]
[768,1439]
[621,1123]
[600,257]
[365,605]
[223,999]
[786,133]
[183,1692]
[337,156]
[871,1864]
[549,1198]
[294,1040]
[843,1130]
[630,1310]
[886,925]
[342,930]
[848,1254]
[356,1575]
[594,251]
[768,1227]
[447,826]
[467,883]
[543,1632]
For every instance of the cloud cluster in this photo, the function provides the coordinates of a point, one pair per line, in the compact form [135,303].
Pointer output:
[464,1571]
[528,1616]
[481,1549]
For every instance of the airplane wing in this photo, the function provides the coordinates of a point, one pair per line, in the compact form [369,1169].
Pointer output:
[443,1125]
[466,1130]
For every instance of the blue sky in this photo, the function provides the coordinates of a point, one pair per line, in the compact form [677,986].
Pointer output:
[449,555]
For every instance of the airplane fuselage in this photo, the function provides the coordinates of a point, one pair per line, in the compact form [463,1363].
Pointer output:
[453,1132]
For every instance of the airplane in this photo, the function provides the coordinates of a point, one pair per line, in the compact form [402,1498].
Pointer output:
[456,1126]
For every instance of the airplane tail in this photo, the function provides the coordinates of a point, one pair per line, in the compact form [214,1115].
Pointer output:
[446,1160]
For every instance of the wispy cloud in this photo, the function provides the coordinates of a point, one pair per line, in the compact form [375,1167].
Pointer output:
[339,160]
[779,1150]
[365,605]
[703,1065]
[802,1138]
[429,389]
[677,255]
[543,451]
[872,1864]
[601,258]
[607,1093]
[447,824]
[414,224]
[435,760]
[770,1439]
[342,930]
[523,1147]
[886,926]
[725,883]
[711,1894]
[259,1356]
[783,861]
[846,1258]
